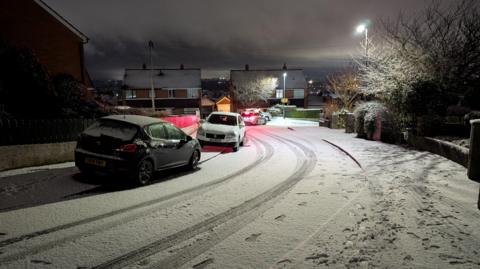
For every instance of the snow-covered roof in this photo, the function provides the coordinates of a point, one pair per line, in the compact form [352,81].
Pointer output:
[62,20]
[295,78]
[163,78]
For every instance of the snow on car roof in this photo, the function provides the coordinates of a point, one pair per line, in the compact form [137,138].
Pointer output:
[134,119]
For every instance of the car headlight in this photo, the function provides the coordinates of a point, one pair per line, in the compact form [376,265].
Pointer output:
[201,131]
[230,135]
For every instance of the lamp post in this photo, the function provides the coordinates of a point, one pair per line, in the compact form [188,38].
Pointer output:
[284,76]
[362,28]
[152,89]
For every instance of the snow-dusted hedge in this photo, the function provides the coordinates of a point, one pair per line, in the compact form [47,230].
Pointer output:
[366,115]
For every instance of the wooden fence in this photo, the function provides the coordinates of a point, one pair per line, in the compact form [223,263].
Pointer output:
[20,132]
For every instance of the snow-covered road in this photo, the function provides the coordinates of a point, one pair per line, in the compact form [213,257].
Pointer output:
[289,199]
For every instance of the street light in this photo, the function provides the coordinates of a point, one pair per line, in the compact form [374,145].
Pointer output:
[152,89]
[362,28]
[284,76]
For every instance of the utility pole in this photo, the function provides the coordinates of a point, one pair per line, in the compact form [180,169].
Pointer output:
[152,89]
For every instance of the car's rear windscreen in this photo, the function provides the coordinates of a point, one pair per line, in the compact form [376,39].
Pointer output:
[222,119]
[111,128]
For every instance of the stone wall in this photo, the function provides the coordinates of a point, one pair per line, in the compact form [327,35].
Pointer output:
[18,156]
[448,150]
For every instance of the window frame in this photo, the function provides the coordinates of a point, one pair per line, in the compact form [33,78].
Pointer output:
[173,127]
[130,94]
[279,93]
[149,133]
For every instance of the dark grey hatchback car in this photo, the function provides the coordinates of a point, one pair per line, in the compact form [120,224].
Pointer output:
[134,146]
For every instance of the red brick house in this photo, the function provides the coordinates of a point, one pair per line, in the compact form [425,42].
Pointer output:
[176,90]
[55,42]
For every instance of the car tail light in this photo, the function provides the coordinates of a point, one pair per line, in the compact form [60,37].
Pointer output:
[127,148]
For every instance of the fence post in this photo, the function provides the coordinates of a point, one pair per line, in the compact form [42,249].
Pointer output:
[474,154]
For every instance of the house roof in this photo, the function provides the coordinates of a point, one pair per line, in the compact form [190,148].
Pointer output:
[223,101]
[207,102]
[295,78]
[163,78]
[61,19]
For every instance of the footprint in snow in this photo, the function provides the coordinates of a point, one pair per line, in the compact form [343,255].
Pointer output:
[280,218]
[302,204]
[252,237]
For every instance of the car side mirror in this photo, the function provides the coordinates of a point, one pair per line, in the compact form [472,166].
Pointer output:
[189,138]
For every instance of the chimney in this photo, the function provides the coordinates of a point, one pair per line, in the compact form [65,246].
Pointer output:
[247,67]
[182,67]
[144,66]
[284,66]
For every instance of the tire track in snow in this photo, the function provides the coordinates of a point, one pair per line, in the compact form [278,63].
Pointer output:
[333,216]
[261,157]
[248,210]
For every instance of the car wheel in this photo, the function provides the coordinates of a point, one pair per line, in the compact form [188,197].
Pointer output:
[235,148]
[194,159]
[144,172]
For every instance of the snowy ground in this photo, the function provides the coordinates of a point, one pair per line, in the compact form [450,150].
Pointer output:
[288,199]
[281,122]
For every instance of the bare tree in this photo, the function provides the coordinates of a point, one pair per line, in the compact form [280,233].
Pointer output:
[346,86]
[440,44]
[248,90]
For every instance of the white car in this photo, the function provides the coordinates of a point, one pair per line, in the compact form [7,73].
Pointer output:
[222,129]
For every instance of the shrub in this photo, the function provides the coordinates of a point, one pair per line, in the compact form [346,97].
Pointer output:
[471,116]
[304,114]
[330,108]
[429,125]
[339,119]
[472,98]
[366,116]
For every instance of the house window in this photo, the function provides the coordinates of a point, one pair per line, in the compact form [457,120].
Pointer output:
[192,93]
[171,94]
[279,94]
[298,93]
[130,94]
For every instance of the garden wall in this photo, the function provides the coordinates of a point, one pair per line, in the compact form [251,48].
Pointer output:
[448,150]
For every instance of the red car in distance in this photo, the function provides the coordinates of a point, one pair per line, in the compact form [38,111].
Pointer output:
[253,118]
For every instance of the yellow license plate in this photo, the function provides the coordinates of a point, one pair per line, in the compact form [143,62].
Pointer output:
[96,162]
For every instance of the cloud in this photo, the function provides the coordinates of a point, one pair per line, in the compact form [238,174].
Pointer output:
[222,34]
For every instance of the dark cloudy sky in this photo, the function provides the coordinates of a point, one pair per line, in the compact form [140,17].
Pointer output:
[217,35]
